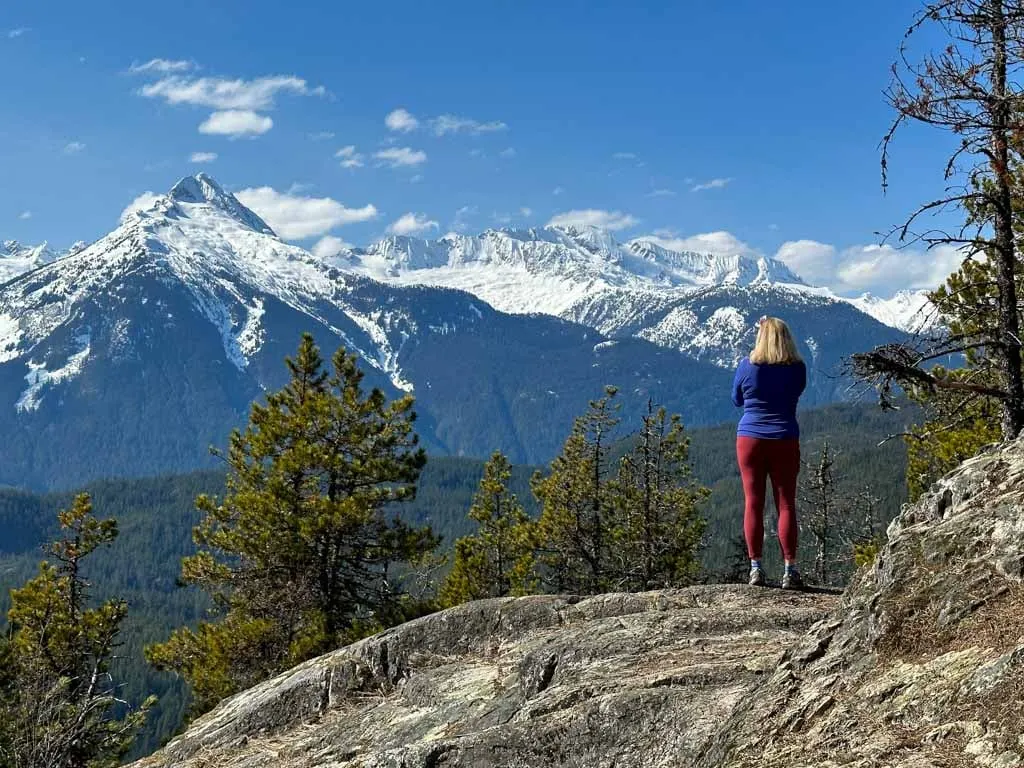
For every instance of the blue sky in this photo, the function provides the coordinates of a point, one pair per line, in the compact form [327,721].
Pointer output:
[745,126]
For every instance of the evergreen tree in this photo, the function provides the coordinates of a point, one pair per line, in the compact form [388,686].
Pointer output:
[575,504]
[962,412]
[656,528]
[968,90]
[59,707]
[498,560]
[299,555]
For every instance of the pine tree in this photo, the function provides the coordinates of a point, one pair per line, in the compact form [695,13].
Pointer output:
[967,89]
[575,504]
[499,559]
[656,527]
[59,707]
[299,555]
[961,417]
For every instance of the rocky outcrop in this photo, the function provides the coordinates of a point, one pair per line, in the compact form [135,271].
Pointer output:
[623,680]
[920,663]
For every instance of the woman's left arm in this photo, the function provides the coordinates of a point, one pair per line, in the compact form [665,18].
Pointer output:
[737,387]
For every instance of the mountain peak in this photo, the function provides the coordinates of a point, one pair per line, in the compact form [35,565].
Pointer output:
[202,189]
[199,188]
[13,249]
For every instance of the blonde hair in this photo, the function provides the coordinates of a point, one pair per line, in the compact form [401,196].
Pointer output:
[775,344]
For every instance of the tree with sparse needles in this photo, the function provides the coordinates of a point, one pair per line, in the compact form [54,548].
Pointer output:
[970,90]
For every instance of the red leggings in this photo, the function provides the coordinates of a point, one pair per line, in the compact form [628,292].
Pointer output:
[780,460]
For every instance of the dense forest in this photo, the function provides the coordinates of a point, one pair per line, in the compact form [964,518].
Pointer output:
[156,517]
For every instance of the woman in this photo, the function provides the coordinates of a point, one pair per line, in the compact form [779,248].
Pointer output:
[767,386]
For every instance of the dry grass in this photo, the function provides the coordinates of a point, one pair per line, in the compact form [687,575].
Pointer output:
[995,619]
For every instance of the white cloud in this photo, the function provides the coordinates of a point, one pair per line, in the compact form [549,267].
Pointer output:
[712,184]
[25,215]
[162,66]
[13,33]
[202,157]
[412,224]
[140,203]
[624,156]
[455,124]
[401,156]
[329,246]
[294,217]
[349,157]
[223,94]
[507,152]
[719,243]
[236,123]
[879,269]
[591,217]
[460,223]
[526,212]
[401,121]
[815,262]
[73,147]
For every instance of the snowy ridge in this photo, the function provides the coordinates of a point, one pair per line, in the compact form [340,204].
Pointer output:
[16,259]
[235,271]
[173,324]
[198,236]
[709,269]
[909,311]
[640,288]
[580,274]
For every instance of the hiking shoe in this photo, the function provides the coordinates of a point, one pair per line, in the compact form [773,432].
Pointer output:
[792,580]
[757,578]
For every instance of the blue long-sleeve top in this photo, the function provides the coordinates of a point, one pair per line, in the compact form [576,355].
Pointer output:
[768,395]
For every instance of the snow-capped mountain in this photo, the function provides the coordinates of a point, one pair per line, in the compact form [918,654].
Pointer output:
[909,311]
[551,270]
[16,258]
[136,353]
[702,305]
